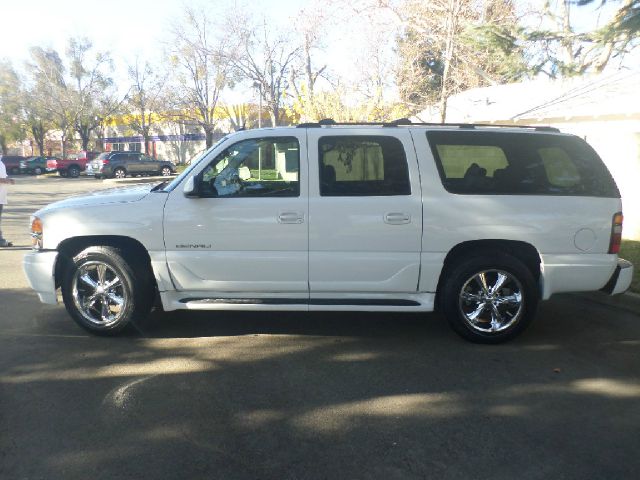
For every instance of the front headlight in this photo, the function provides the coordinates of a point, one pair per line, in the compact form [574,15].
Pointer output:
[36,233]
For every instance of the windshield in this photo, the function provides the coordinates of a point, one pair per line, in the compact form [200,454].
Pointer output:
[176,181]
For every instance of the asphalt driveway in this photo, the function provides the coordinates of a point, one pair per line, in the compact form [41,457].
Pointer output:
[206,395]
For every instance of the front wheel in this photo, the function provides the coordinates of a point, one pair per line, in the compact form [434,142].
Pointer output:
[165,172]
[490,298]
[104,291]
[37,171]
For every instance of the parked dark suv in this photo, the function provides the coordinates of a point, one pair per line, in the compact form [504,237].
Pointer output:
[121,164]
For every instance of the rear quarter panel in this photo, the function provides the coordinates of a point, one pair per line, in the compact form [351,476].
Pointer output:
[565,230]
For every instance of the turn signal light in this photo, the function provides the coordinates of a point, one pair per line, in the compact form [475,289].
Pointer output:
[36,233]
[616,233]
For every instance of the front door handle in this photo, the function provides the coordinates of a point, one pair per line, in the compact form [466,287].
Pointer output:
[291,217]
[397,218]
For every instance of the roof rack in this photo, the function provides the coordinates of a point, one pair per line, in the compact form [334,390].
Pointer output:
[329,122]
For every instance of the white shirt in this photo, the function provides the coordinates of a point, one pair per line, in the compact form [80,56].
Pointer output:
[3,186]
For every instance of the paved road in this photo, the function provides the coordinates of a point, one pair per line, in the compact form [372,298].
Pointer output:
[312,396]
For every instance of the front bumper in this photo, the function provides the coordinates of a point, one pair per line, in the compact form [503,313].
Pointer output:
[621,278]
[39,267]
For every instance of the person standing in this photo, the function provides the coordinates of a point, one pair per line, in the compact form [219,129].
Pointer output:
[4,181]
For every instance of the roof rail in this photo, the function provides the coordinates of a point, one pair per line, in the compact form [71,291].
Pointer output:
[328,122]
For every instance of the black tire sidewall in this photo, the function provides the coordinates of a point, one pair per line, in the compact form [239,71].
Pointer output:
[465,269]
[130,281]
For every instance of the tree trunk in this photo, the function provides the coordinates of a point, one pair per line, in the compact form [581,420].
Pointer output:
[38,135]
[451,27]
[208,133]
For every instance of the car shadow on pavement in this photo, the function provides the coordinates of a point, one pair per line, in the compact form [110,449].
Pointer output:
[315,396]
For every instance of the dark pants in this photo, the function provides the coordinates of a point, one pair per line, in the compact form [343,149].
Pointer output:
[2,240]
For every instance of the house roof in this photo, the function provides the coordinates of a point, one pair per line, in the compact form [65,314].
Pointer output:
[534,101]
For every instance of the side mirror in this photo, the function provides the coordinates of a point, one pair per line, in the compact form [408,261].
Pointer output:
[191,187]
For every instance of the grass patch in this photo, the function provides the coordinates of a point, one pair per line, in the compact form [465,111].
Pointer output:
[630,250]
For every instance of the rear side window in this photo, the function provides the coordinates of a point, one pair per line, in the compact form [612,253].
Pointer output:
[353,166]
[519,164]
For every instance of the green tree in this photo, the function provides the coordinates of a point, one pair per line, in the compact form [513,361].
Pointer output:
[10,122]
[447,46]
[561,51]
[146,102]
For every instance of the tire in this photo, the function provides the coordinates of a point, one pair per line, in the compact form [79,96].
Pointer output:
[486,314]
[62,173]
[73,171]
[119,173]
[165,172]
[37,171]
[105,290]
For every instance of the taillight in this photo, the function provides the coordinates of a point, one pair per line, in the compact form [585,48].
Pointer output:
[616,233]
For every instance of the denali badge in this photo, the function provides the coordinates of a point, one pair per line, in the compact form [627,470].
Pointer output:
[193,245]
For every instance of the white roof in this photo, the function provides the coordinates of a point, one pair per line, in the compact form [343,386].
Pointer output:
[544,99]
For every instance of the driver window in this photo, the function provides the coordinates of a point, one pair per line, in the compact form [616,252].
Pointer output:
[258,167]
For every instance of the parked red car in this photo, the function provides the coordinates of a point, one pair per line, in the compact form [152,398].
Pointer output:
[12,163]
[72,165]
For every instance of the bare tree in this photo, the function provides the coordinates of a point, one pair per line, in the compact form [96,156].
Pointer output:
[202,71]
[266,62]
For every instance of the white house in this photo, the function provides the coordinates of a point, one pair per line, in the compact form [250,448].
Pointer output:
[603,109]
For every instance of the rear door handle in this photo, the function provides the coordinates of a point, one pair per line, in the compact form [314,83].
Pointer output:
[397,218]
[291,217]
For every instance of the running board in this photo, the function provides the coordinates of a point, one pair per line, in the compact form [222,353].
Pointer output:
[376,302]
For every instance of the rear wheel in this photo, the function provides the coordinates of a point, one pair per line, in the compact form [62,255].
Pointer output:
[104,291]
[489,298]
[37,171]
[165,172]
[119,173]
[74,171]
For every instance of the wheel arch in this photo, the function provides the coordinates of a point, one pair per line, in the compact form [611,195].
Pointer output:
[523,251]
[72,246]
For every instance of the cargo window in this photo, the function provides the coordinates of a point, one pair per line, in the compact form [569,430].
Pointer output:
[362,166]
[509,163]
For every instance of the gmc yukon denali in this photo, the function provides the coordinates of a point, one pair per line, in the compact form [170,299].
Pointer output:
[479,222]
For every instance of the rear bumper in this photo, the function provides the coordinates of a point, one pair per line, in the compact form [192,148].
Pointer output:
[39,267]
[621,278]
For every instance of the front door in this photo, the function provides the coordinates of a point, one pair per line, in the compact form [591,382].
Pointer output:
[365,212]
[246,235]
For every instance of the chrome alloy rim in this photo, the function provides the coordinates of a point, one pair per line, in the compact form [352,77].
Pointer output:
[98,293]
[119,173]
[166,172]
[491,301]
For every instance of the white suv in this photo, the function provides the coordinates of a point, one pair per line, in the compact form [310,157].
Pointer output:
[480,222]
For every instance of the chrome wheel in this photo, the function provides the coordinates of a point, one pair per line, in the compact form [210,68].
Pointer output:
[491,301]
[119,173]
[166,171]
[99,294]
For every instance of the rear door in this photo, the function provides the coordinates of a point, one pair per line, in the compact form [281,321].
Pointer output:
[365,211]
